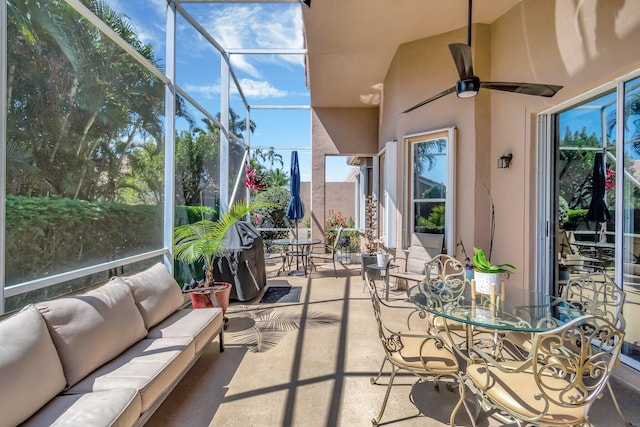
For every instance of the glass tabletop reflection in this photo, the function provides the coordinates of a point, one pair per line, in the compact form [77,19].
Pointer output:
[515,309]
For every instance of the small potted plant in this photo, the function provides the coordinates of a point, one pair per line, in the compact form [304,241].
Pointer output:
[382,257]
[468,265]
[486,273]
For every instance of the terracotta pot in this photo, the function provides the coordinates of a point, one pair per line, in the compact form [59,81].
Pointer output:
[203,299]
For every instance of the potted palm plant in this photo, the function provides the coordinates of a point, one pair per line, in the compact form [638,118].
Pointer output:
[486,273]
[203,241]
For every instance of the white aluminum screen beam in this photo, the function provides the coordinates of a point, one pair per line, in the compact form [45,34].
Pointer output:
[170,135]
[44,282]
[266,51]
[3,147]
[224,141]
[280,107]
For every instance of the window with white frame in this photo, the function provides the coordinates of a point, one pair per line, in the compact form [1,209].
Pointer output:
[431,184]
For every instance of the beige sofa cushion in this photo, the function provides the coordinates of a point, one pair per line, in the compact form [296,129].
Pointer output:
[202,324]
[91,329]
[151,367]
[156,293]
[30,370]
[113,408]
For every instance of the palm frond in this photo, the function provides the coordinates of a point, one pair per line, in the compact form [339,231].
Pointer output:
[202,240]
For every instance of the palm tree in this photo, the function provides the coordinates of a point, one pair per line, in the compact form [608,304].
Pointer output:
[425,151]
[237,125]
[276,178]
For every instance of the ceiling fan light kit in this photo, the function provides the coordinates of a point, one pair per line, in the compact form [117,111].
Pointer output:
[469,84]
[468,88]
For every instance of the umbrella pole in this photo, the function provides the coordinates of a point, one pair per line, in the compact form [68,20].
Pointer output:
[297,251]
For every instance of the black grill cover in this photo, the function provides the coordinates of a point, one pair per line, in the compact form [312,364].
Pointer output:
[243,266]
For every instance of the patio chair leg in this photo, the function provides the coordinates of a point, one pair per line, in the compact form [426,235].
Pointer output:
[376,420]
[374,380]
[615,403]
[462,401]
[334,266]
[452,418]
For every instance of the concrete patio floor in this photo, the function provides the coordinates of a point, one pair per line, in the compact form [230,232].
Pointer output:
[309,364]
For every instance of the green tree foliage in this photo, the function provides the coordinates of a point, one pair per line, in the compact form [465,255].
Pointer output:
[144,182]
[436,219]
[425,154]
[269,164]
[575,167]
[198,155]
[63,234]
[276,178]
[77,103]
[194,152]
[272,216]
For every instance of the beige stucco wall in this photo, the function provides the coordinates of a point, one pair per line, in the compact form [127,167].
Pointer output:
[542,41]
[337,131]
[340,197]
[414,76]
[580,45]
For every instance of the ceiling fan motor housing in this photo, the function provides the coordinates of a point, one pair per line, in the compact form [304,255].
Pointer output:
[468,88]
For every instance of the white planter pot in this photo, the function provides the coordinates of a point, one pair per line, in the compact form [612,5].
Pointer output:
[382,259]
[484,281]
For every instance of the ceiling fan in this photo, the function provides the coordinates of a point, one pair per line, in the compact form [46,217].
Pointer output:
[469,84]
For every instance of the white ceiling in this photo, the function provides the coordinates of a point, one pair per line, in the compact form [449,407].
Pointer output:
[351,42]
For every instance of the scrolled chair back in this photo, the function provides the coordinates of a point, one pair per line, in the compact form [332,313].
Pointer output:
[567,369]
[443,267]
[597,294]
[446,291]
[572,363]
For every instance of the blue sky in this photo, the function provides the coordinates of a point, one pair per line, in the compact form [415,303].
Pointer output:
[265,79]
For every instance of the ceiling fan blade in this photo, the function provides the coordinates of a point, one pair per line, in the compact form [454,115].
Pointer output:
[433,98]
[536,89]
[462,57]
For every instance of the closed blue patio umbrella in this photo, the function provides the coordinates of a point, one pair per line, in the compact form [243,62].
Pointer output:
[295,209]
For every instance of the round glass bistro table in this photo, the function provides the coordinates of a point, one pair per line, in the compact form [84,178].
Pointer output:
[516,309]
[300,251]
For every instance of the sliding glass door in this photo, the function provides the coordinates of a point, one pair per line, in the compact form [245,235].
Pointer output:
[594,221]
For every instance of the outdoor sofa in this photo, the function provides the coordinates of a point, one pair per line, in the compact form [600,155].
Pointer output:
[108,357]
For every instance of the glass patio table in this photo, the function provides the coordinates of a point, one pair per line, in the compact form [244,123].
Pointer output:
[301,247]
[515,310]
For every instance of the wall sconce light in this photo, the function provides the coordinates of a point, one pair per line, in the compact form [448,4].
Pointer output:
[504,161]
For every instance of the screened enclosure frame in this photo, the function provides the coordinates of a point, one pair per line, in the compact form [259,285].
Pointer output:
[172,91]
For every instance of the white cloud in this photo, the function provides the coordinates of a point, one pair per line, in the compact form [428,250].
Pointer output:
[251,88]
[207,90]
[256,26]
[239,62]
[260,89]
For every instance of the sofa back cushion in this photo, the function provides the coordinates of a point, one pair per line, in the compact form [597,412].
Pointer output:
[30,369]
[90,329]
[156,293]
